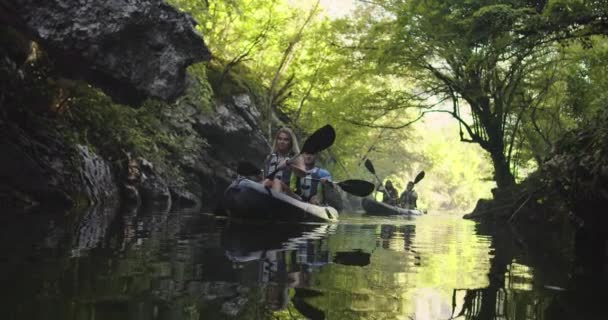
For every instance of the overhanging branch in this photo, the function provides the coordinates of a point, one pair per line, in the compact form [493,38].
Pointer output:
[378,126]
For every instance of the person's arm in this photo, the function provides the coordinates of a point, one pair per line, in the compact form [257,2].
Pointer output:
[297,167]
[325,177]
[324,174]
[385,197]
[320,194]
[290,192]
[324,181]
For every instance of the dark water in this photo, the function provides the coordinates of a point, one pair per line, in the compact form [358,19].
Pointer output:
[192,266]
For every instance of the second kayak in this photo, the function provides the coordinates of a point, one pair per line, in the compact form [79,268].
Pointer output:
[375,208]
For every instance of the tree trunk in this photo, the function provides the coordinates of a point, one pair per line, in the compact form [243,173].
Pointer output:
[502,173]
[495,145]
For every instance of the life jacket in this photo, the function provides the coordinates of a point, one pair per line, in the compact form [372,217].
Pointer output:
[307,186]
[408,199]
[390,197]
[272,163]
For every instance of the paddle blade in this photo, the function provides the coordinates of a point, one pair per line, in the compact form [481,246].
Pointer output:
[245,168]
[370,166]
[319,140]
[360,188]
[419,177]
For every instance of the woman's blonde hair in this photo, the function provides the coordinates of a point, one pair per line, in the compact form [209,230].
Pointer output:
[295,148]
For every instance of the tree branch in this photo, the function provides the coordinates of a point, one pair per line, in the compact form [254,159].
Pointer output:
[376,126]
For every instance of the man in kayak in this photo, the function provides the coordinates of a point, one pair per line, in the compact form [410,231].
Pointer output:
[285,146]
[390,195]
[409,197]
[311,188]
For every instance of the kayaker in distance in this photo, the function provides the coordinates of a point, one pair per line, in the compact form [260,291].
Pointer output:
[409,197]
[311,187]
[284,147]
[390,195]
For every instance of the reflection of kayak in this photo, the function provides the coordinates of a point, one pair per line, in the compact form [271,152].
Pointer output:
[250,237]
[375,208]
[249,242]
[246,199]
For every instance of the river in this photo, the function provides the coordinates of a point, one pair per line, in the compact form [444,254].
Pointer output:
[104,265]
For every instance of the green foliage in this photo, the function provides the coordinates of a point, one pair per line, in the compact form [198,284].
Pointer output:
[111,129]
[201,94]
[151,131]
[496,66]
[309,70]
[457,175]
[579,165]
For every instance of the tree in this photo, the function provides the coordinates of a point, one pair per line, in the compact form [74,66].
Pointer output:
[481,56]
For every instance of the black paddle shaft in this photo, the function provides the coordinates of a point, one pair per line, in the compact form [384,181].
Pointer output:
[360,188]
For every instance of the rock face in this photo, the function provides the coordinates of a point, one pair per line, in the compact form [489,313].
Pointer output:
[217,140]
[51,171]
[130,48]
[233,131]
[184,157]
[97,179]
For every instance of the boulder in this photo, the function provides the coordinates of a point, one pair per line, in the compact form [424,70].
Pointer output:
[131,49]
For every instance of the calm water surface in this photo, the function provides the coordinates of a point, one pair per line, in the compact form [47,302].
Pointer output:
[192,266]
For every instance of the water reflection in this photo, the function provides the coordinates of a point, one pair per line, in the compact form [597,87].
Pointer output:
[106,265]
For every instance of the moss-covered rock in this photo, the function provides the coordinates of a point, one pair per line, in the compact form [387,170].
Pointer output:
[192,143]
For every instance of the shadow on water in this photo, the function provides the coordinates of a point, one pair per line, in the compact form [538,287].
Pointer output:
[103,264]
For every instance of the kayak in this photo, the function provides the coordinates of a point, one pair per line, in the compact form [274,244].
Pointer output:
[375,208]
[249,200]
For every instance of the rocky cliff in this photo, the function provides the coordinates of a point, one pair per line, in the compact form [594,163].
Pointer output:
[96,105]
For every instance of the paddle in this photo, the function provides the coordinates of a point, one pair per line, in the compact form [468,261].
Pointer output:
[318,141]
[370,168]
[356,187]
[419,177]
[360,188]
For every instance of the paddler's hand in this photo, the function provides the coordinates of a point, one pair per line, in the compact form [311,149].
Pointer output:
[283,164]
[327,182]
[267,183]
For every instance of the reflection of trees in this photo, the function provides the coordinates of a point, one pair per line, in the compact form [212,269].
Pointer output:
[515,291]
[583,298]
[136,267]
[171,267]
[414,267]
[490,302]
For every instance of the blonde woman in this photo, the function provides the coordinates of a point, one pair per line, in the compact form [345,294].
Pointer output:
[285,146]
